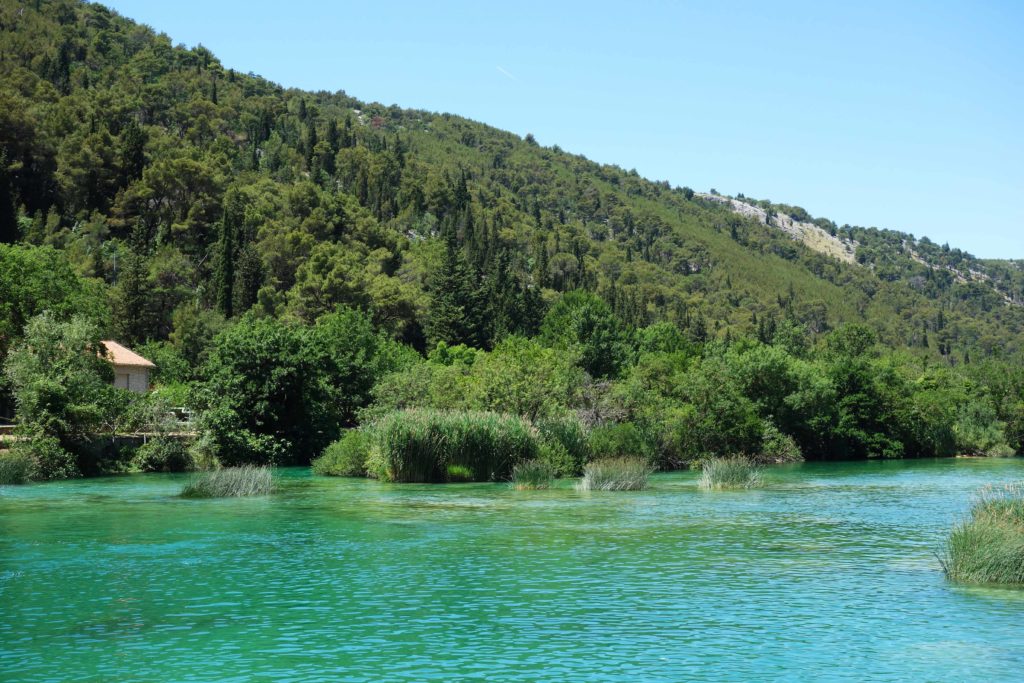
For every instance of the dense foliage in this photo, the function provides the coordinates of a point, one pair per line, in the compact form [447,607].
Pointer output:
[298,264]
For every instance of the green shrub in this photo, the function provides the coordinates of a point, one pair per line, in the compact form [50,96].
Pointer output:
[778,447]
[619,440]
[421,445]
[532,474]
[566,445]
[1001,450]
[734,472]
[615,474]
[346,457]
[163,454]
[16,467]
[247,480]
[988,547]
[49,459]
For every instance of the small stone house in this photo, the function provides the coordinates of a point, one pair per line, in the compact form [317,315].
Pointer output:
[131,371]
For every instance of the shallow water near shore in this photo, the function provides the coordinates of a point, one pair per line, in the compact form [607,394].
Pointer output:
[828,573]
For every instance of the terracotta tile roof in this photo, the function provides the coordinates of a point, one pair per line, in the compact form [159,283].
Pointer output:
[120,355]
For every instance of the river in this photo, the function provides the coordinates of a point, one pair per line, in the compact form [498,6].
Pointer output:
[828,573]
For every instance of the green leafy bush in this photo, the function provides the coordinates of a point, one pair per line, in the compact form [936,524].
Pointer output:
[49,459]
[346,457]
[230,482]
[619,440]
[734,472]
[566,445]
[778,447]
[988,547]
[615,474]
[421,445]
[16,467]
[163,454]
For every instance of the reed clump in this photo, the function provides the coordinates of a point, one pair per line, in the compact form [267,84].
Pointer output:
[615,474]
[231,482]
[438,446]
[16,467]
[532,475]
[732,472]
[988,546]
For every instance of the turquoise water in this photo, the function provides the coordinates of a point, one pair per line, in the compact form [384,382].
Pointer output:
[828,574]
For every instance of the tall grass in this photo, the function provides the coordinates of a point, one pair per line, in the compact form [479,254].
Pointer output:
[988,547]
[16,467]
[733,472]
[230,482]
[435,446]
[532,474]
[615,474]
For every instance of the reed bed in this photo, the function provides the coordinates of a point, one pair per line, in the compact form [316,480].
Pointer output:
[988,546]
[615,474]
[733,472]
[437,446]
[231,482]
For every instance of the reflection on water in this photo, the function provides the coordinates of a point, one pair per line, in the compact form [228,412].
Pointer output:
[827,574]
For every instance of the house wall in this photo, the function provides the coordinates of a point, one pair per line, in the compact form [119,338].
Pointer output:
[131,378]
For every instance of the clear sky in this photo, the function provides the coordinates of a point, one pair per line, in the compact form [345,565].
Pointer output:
[903,115]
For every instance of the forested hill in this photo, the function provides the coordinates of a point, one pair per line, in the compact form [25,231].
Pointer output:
[188,192]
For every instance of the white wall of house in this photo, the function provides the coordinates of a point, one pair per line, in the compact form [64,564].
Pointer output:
[131,378]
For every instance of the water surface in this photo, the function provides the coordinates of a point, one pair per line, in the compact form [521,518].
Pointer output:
[827,574]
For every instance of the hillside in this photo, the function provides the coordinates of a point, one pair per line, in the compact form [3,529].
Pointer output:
[186,187]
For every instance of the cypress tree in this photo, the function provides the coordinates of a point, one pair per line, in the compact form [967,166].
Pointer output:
[224,271]
[456,307]
[130,303]
[9,232]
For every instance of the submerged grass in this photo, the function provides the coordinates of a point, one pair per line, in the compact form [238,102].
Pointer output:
[988,547]
[230,482]
[615,474]
[733,472]
[532,474]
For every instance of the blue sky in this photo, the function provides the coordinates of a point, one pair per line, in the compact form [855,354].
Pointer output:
[896,115]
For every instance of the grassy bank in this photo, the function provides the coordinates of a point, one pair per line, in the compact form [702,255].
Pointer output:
[988,547]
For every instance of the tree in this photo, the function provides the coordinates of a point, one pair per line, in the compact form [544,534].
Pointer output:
[265,396]
[61,385]
[131,303]
[456,308]
[9,230]
[583,324]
